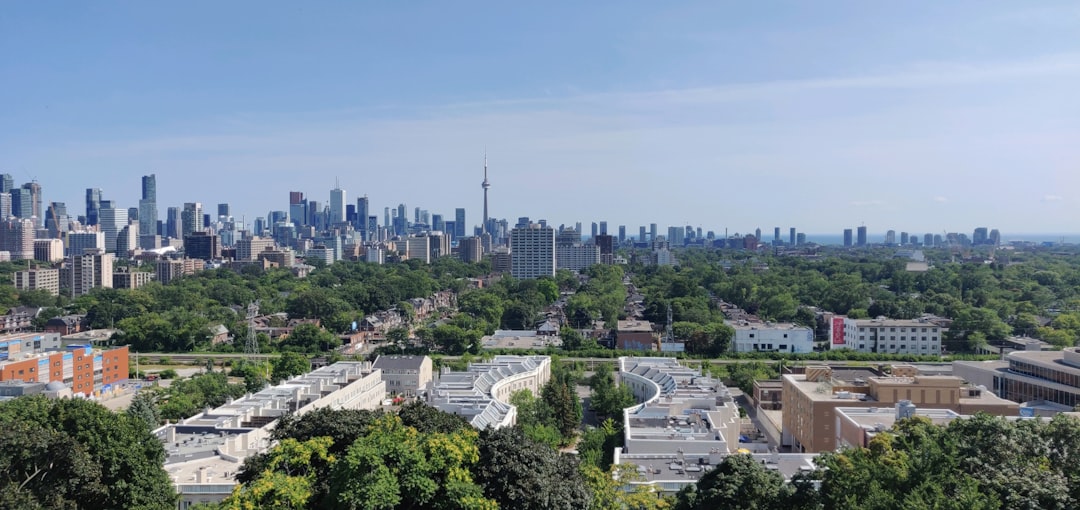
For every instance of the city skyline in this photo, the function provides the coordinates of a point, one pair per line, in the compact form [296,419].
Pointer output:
[711,115]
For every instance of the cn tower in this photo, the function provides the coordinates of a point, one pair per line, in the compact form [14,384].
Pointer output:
[485,185]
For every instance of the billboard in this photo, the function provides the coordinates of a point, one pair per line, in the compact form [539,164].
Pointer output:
[838,331]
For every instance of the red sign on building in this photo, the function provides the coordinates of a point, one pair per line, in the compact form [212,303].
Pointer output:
[838,331]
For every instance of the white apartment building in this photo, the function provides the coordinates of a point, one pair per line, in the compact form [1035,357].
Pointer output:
[205,452]
[771,337]
[532,251]
[886,336]
[481,395]
[577,257]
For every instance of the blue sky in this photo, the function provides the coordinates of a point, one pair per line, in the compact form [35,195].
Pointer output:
[924,116]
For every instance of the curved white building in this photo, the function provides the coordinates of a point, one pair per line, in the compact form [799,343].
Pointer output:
[481,394]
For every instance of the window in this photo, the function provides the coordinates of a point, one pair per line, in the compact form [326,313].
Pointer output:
[751,335]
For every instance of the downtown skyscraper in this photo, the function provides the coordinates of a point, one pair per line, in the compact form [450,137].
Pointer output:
[148,216]
[337,205]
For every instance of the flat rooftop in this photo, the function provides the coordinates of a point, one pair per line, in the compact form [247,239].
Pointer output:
[635,326]
[659,469]
[779,326]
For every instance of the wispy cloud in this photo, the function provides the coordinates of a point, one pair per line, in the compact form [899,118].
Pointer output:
[1052,198]
[941,200]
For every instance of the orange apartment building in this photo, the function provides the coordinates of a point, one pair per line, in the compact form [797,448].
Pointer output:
[79,367]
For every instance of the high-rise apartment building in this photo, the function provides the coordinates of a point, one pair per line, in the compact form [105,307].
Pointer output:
[677,236]
[224,211]
[191,218]
[48,250]
[173,222]
[470,249]
[6,183]
[862,236]
[17,238]
[532,251]
[148,216]
[847,237]
[652,232]
[577,257]
[890,237]
[791,236]
[416,248]
[622,234]
[86,271]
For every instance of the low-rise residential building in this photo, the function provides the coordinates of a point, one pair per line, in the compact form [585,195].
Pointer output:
[204,453]
[482,393]
[404,375]
[125,278]
[635,335]
[809,401]
[771,337]
[66,324]
[38,279]
[885,336]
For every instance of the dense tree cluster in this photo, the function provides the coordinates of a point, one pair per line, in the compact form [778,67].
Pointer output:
[987,302]
[984,462]
[417,458]
[74,453]
[176,317]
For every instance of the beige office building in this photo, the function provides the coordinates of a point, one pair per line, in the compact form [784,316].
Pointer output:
[810,401]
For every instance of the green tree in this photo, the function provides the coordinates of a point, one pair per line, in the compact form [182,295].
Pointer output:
[70,453]
[737,482]
[143,409]
[607,398]
[290,364]
[517,472]
[289,478]
[309,338]
[394,466]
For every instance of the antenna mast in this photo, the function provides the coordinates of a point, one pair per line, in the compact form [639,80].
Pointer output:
[251,347]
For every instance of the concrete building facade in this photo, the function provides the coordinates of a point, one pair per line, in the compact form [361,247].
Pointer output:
[810,400]
[885,336]
[532,249]
[771,337]
[404,375]
[38,279]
